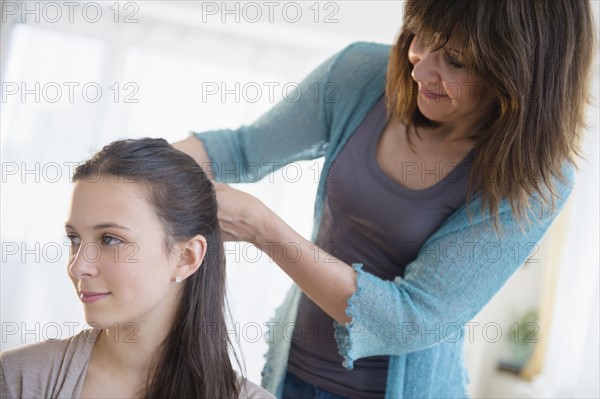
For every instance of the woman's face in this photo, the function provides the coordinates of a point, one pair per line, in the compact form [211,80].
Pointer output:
[118,265]
[447,91]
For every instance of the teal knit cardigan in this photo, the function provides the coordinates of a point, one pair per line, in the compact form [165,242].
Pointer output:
[419,320]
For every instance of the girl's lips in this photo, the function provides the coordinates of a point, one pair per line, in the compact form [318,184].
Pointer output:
[87,297]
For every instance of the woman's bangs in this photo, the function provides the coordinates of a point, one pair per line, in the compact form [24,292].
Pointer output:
[432,27]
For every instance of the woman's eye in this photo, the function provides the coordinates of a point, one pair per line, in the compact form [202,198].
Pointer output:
[453,63]
[110,241]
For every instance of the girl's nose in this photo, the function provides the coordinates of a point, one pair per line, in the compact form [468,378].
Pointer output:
[84,261]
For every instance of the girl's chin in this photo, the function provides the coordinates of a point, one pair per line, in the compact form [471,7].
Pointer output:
[125,328]
[99,324]
[102,323]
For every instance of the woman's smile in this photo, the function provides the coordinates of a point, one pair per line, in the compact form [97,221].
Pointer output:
[432,95]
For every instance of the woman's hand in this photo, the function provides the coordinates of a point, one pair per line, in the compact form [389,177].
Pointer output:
[240,214]
[326,280]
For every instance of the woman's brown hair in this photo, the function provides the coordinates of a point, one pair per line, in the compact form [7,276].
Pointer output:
[193,361]
[537,56]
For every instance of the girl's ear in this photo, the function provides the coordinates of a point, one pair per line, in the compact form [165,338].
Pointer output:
[190,254]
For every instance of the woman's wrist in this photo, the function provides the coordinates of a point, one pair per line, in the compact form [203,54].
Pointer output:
[269,229]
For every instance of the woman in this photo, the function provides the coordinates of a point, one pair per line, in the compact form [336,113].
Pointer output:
[447,157]
[147,263]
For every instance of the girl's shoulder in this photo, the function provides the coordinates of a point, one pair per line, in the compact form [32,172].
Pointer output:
[46,368]
[251,390]
[48,350]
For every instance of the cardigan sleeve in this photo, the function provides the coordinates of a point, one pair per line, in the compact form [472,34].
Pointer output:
[296,128]
[456,272]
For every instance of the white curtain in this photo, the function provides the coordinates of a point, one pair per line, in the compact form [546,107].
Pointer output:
[571,366]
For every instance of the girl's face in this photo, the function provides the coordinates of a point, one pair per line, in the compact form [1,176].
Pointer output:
[118,265]
[447,91]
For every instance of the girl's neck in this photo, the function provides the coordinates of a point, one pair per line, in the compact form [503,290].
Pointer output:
[129,347]
[127,352]
[124,354]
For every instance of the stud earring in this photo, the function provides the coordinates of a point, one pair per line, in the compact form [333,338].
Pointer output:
[178,279]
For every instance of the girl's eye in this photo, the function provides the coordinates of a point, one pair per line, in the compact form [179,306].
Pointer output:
[75,242]
[110,241]
[74,239]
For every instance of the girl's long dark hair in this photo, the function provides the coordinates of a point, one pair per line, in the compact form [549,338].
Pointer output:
[193,361]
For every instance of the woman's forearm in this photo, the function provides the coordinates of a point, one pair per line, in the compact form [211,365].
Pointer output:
[195,148]
[326,280]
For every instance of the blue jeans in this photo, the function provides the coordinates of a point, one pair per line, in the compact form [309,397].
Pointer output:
[295,388]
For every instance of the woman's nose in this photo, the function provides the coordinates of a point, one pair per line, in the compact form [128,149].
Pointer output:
[425,64]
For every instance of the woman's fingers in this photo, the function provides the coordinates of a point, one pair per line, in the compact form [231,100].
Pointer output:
[236,211]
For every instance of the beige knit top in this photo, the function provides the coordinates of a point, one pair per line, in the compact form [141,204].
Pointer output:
[57,369]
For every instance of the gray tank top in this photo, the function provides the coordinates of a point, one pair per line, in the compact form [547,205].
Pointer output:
[368,218]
